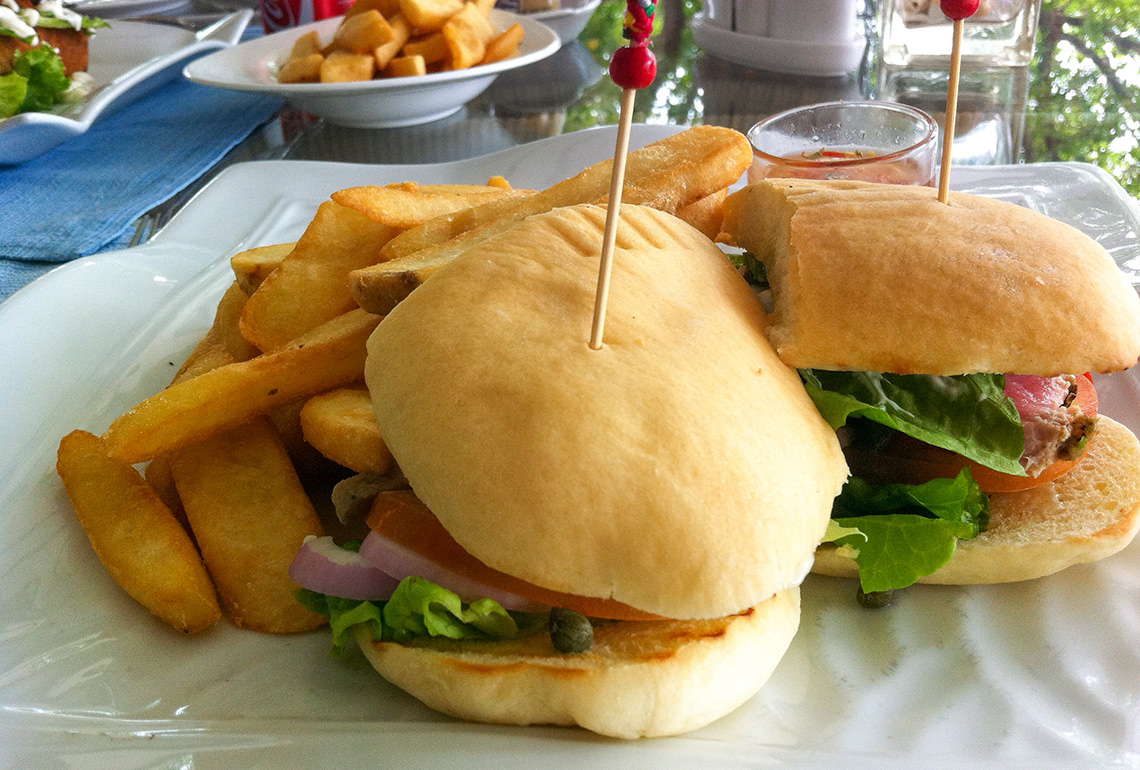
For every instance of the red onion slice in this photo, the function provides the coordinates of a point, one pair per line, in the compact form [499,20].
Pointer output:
[323,566]
[400,562]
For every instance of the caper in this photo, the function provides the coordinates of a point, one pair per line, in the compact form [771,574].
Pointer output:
[874,600]
[570,631]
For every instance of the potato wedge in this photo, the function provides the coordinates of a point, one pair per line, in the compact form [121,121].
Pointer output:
[505,45]
[303,69]
[429,15]
[467,34]
[362,32]
[431,48]
[401,33]
[346,67]
[311,285]
[249,515]
[226,320]
[252,266]
[668,175]
[327,357]
[307,44]
[142,546]
[405,67]
[209,354]
[342,427]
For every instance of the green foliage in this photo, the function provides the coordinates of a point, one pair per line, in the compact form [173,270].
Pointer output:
[1085,87]
[671,97]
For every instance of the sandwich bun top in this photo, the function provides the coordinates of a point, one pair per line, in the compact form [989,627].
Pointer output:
[681,469]
[885,278]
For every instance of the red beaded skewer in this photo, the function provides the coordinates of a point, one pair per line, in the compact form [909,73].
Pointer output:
[959,11]
[632,67]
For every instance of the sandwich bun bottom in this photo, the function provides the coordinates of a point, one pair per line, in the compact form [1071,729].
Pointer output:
[640,679]
[1090,513]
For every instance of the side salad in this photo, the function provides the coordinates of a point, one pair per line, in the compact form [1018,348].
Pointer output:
[33,76]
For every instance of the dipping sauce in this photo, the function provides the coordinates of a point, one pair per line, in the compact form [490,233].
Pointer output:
[867,141]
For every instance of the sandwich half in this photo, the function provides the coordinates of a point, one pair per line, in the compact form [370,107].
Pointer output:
[950,346]
[671,487]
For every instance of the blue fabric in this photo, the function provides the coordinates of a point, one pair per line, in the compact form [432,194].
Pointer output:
[82,197]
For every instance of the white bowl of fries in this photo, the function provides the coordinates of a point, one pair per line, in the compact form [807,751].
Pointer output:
[381,102]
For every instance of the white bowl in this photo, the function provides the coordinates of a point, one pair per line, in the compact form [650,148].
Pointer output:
[568,22]
[384,103]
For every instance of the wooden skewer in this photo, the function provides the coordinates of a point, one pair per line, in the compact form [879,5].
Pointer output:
[613,213]
[951,112]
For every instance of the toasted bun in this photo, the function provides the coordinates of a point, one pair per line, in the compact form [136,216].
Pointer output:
[71,44]
[640,679]
[1091,512]
[885,278]
[681,470]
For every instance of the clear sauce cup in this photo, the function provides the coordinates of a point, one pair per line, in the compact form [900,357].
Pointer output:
[866,141]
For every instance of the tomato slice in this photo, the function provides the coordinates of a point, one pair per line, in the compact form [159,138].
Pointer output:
[405,520]
[910,461]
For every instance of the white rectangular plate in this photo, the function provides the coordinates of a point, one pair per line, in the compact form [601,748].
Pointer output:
[1036,675]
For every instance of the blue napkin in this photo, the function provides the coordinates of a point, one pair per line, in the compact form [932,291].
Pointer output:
[82,197]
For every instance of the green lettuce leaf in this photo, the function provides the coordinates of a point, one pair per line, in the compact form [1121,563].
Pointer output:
[901,532]
[88,24]
[421,608]
[13,88]
[752,269]
[895,550]
[416,608]
[42,68]
[48,21]
[967,414]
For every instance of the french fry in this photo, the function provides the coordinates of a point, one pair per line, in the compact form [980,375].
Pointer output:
[208,354]
[429,15]
[401,33]
[249,515]
[310,286]
[404,206]
[362,32]
[668,174]
[303,69]
[342,427]
[361,6]
[467,34]
[405,66]
[346,67]
[705,214]
[327,357]
[505,45]
[431,48]
[389,8]
[307,44]
[226,321]
[252,266]
[157,475]
[498,181]
[306,459]
[135,536]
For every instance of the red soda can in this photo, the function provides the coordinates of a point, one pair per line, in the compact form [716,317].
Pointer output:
[282,14]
